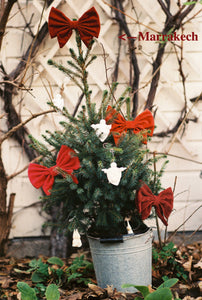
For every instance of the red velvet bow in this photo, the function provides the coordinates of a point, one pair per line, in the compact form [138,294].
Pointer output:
[41,176]
[88,26]
[143,121]
[163,203]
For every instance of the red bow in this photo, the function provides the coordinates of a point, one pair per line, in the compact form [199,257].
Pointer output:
[120,126]
[163,203]
[41,176]
[88,26]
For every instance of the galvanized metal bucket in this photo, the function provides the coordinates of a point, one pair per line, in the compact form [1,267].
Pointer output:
[126,260]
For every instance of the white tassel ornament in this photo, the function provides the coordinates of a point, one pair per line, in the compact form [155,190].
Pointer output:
[129,228]
[76,242]
[58,101]
[114,173]
[102,130]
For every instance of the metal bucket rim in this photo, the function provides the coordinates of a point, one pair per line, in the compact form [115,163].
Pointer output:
[125,236]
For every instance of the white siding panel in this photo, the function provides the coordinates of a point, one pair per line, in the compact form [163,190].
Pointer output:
[185,215]
[27,222]
[188,187]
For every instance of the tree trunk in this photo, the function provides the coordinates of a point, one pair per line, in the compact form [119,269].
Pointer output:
[3,212]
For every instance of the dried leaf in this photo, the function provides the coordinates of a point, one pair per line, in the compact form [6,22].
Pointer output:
[76,296]
[119,296]
[150,289]
[198,265]
[110,290]
[6,283]
[188,264]
[96,289]
[19,296]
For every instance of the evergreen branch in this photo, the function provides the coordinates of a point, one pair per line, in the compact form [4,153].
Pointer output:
[103,105]
[91,60]
[122,99]
[69,116]
[69,72]
[112,90]
[89,49]
[66,71]
[74,66]
[73,55]
[79,46]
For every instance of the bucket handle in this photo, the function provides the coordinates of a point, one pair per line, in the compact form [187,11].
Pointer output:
[149,238]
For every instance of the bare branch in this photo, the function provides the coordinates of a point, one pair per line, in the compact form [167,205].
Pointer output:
[187,11]
[23,169]
[174,23]
[133,19]
[173,233]
[165,9]
[120,16]
[4,19]
[20,125]
[182,123]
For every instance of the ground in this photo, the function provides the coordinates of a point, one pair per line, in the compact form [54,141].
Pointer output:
[72,275]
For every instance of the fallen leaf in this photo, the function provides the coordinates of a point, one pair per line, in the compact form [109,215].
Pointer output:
[96,289]
[199,264]
[76,296]
[110,291]
[187,265]
[19,296]
[119,296]
[150,289]
[6,283]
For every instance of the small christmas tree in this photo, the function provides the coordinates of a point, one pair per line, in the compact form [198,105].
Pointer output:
[98,162]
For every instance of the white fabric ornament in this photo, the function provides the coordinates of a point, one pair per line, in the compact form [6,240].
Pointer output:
[114,173]
[76,242]
[58,101]
[102,130]
[129,228]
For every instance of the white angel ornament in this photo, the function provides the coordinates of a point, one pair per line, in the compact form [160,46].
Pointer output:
[58,101]
[76,242]
[114,173]
[102,130]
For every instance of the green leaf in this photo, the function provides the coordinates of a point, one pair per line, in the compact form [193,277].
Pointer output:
[55,261]
[52,292]
[189,2]
[35,264]
[143,289]
[168,283]
[27,293]
[74,276]
[159,294]
[37,277]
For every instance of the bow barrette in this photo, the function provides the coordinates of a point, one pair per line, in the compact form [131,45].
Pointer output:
[88,26]
[66,162]
[143,122]
[163,203]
